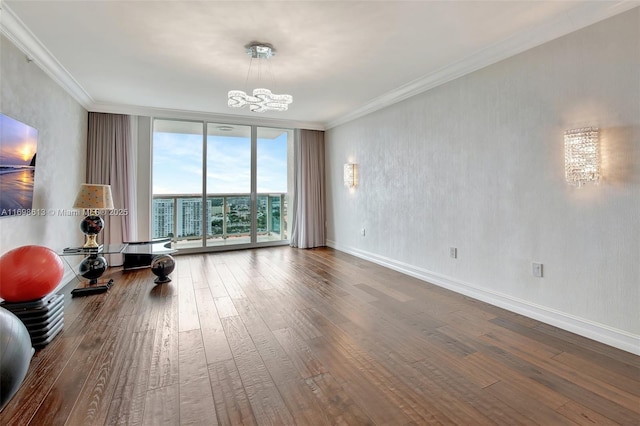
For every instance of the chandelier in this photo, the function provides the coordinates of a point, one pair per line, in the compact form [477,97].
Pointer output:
[261,99]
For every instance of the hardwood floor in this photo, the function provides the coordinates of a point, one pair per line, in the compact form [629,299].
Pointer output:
[309,337]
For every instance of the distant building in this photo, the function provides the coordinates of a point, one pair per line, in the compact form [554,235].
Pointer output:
[189,219]
[162,217]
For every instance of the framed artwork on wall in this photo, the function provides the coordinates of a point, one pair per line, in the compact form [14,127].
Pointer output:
[18,144]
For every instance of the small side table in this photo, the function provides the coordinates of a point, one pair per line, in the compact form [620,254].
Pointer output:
[92,267]
[155,254]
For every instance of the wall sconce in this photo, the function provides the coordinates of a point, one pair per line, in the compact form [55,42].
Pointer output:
[350,175]
[581,156]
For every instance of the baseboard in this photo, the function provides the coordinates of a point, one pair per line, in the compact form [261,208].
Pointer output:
[599,332]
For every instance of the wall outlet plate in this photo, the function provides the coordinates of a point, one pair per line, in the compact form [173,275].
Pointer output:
[536,269]
[453,252]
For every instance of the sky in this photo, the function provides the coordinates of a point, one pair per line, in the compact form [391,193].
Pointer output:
[177,164]
[17,142]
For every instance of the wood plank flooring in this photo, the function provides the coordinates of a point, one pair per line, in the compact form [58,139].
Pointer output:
[282,336]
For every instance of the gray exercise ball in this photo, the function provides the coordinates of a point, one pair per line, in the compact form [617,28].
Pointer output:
[15,354]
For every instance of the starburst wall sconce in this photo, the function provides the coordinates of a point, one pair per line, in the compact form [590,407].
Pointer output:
[582,156]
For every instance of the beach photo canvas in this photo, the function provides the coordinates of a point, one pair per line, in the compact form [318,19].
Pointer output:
[18,143]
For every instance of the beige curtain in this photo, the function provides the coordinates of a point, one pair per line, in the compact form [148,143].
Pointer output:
[308,215]
[110,161]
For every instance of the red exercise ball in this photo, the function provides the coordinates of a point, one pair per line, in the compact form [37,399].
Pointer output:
[29,273]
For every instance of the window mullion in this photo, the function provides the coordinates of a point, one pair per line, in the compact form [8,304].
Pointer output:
[205,210]
[254,184]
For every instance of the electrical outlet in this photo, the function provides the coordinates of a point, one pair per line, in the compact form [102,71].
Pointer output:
[453,252]
[536,269]
[363,232]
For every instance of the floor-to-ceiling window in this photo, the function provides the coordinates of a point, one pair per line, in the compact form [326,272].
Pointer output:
[228,184]
[271,182]
[177,181]
[217,184]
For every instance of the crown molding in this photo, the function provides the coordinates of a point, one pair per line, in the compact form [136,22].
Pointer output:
[15,30]
[579,17]
[203,116]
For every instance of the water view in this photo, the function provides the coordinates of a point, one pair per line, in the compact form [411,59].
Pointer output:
[17,166]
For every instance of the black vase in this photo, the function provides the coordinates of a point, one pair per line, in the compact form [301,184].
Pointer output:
[162,266]
[92,267]
[92,225]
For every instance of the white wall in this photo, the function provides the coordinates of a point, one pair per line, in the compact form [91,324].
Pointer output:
[27,94]
[478,164]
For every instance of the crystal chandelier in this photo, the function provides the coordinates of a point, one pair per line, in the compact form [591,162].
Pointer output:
[261,99]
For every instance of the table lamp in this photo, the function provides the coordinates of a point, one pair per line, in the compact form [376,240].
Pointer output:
[92,198]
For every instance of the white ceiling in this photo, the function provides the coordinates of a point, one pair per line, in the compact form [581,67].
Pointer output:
[339,59]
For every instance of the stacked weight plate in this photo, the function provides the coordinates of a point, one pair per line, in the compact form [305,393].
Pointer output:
[43,318]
